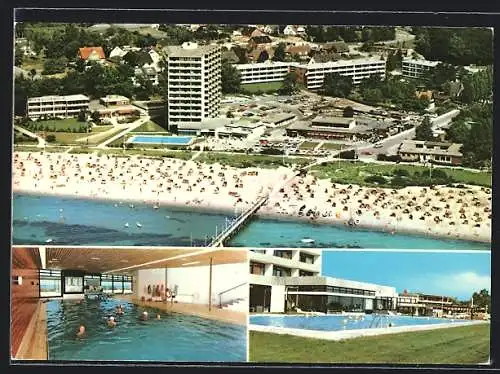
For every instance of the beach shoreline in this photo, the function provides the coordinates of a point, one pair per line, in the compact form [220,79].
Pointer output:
[101,179]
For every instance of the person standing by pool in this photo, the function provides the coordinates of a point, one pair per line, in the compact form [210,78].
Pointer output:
[111,322]
[81,332]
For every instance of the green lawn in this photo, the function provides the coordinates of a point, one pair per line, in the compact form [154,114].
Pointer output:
[150,126]
[261,87]
[457,345]
[356,172]
[308,145]
[246,161]
[333,146]
[59,124]
[67,137]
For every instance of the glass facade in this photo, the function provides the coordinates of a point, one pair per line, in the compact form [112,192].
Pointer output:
[260,298]
[50,283]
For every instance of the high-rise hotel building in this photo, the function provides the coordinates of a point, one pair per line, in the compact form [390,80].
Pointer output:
[194,82]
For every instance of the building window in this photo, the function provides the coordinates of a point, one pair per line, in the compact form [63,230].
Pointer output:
[303,273]
[279,271]
[107,283]
[306,258]
[50,283]
[283,254]
[73,284]
[257,268]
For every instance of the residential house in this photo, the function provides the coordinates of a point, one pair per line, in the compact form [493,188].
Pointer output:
[257,41]
[337,47]
[92,54]
[117,52]
[299,50]
[294,30]
[429,151]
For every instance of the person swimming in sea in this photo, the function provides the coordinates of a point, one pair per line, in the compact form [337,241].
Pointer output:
[111,322]
[81,332]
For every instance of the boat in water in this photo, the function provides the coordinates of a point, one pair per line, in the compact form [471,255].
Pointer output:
[49,240]
[126,224]
[138,224]
[307,240]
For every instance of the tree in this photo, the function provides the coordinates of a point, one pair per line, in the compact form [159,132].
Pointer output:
[132,58]
[482,299]
[458,132]
[337,85]
[18,57]
[54,65]
[50,138]
[279,52]
[231,78]
[263,56]
[441,74]
[82,116]
[289,85]
[348,112]
[424,130]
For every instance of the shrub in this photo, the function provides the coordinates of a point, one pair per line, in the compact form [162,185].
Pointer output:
[401,173]
[377,179]
[351,155]
[50,138]
[398,181]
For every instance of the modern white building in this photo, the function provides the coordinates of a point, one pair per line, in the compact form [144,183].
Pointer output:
[313,73]
[56,106]
[285,280]
[417,68]
[269,71]
[194,82]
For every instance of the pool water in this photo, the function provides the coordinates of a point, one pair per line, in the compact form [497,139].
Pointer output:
[175,337]
[342,322]
[161,139]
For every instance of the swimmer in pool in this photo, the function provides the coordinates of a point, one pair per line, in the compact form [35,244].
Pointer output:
[111,322]
[81,331]
[119,310]
[144,316]
[158,316]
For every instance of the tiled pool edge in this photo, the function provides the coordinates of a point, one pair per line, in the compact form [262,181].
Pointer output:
[350,334]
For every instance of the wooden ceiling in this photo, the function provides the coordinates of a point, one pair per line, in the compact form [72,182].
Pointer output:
[125,260]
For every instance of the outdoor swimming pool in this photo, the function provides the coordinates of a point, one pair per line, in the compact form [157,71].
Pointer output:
[161,139]
[342,322]
[175,337]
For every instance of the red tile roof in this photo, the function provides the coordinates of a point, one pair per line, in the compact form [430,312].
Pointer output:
[85,52]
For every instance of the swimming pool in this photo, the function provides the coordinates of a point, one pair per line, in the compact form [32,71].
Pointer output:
[175,337]
[161,139]
[342,322]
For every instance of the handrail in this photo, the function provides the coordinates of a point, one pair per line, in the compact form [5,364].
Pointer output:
[229,289]
[232,288]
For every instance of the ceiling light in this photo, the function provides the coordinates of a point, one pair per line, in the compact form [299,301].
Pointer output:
[53,260]
[95,258]
[191,263]
[123,260]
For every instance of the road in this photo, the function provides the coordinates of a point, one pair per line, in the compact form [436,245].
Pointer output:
[131,127]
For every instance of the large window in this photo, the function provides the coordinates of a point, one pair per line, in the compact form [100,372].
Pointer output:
[73,284]
[107,283]
[117,284]
[279,271]
[306,258]
[91,283]
[257,268]
[127,284]
[283,254]
[50,283]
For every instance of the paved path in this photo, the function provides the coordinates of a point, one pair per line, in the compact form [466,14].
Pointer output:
[130,128]
[41,141]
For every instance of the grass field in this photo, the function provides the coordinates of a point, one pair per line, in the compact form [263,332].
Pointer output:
[457,345]
[150,126]
[61,124]
[247,161]
[308,145]
[332,146]
[261,87]
[356,172]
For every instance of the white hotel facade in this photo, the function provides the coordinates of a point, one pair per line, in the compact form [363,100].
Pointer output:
[269,71]
[417,68]
[194,82]
[56,106]
[312,74]
[284,280]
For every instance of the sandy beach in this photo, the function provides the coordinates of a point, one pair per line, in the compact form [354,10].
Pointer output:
[445,212]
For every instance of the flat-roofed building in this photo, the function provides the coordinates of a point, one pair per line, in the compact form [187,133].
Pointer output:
[56,106]
[278,119]
[268,71]
[313,73]
[419,304]
[428,151]
[286,280]
[194,82]
[110,100]
[412,68]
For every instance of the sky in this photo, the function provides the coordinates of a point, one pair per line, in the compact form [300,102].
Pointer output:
[455,274]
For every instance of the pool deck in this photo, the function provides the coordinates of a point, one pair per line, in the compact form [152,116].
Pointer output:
[223,315]
[350,334]
[34,343]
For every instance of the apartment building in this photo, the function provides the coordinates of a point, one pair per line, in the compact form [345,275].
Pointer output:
[312,75]
[194,82]
[287,280]
[417,68]
[269,71]
[419,304]
[56,106]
